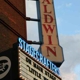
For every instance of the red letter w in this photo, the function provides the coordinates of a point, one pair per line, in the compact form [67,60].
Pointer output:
[48,27]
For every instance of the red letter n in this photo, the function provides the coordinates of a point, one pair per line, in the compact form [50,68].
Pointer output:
[51,50]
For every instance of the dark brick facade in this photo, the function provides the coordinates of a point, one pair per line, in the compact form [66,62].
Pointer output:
[12,22]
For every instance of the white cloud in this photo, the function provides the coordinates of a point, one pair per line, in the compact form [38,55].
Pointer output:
[63,5]
[69,76]
[71,49]
[68,4]
[60,6]
[77,71]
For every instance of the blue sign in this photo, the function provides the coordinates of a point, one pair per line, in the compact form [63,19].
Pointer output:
[37,55]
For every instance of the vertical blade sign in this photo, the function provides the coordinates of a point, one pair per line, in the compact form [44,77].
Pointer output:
[50,48]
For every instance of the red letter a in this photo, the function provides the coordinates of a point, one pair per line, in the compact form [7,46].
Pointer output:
[46,1]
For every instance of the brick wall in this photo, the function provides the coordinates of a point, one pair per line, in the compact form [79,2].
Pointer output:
[12,22]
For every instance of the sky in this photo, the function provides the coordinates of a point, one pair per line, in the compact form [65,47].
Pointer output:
[68,25]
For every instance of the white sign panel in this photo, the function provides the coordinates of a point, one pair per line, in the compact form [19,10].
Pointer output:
[30,69]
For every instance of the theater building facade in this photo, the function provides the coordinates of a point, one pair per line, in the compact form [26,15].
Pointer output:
[18,59]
